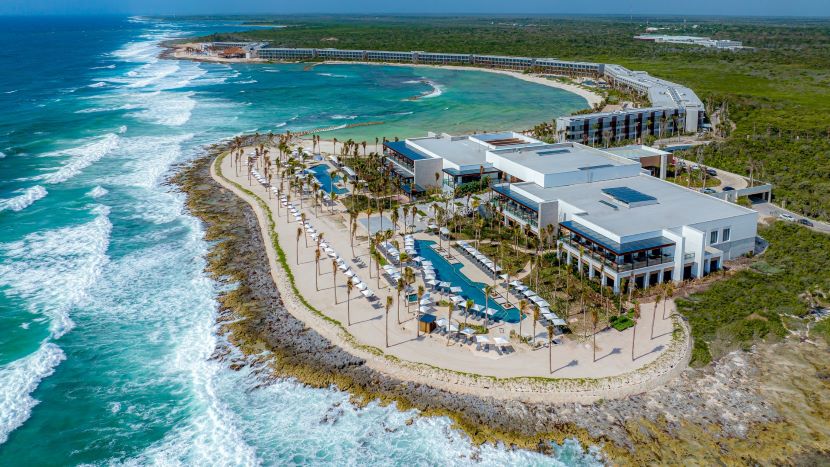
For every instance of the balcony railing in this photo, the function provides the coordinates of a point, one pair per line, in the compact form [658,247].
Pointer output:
[520,214]
[617,263]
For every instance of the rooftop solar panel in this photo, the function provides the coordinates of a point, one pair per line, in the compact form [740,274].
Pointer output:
[627,195]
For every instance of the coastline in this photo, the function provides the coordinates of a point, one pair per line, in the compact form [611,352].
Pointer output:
[725,395]
[175,51]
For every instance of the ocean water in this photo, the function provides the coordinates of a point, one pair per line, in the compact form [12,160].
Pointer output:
[106,316]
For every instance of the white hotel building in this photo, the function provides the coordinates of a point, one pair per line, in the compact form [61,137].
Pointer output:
[625,222]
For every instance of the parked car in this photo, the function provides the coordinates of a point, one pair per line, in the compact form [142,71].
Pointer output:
[708,191]
[680,164]
[712,172]
[695,167]
[786,217]
[728,188]
[806,222]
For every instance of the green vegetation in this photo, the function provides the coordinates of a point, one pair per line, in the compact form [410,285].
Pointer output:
[753,304]
[472,188]
[772,102]
[622,322]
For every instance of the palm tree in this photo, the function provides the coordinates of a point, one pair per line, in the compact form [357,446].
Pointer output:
[654,312]
[449,321]
[594,321]
[394,216]
[522,306]
[299,234]
[468,304]
[316,266]
[550,348]
[536,313]
[488,289]
[386,322]
[418,312]
[349,288]
[634,328]
[669,290]
[399,288]
[334,278]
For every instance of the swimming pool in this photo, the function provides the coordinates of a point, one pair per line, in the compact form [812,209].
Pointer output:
[321,173]
[447,272]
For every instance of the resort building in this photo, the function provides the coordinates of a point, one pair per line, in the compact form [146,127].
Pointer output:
[722,44]
[613,219]
[464,157]
[656,161]
[414,170]
[620,125]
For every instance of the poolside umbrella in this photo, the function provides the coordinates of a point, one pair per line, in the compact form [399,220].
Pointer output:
[500,341]
[482,339]
[478,308]
[455,289]
[491,312]
[543,303]
[349,273]
[425,301]
[456,299]
[444,284]
[424,309]
[515,283]
[469,332]
[432,282]
[362,286]
[367,293]
[559,322]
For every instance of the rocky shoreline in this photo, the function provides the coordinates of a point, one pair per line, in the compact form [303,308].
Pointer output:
[719,414]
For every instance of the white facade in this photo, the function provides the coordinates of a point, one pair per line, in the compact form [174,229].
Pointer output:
[618,221]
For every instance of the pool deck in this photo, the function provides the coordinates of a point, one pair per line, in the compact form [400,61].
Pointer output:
[572,358]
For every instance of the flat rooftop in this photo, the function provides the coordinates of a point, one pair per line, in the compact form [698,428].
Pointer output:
[636,151]
[672,206]
[562,157]
[469,150]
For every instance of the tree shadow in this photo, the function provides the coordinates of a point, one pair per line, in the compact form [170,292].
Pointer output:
[614,351]
[567,365]
[659,348]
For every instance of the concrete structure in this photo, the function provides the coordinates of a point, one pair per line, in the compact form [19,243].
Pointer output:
[616,220]
[656,161]
[464,157]
[621,125]
[415,171]
[723,44]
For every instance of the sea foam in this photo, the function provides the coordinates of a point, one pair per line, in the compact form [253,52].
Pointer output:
[18,380]
[23,200]
[81,157]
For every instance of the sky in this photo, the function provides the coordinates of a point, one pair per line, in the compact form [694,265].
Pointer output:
[813,8]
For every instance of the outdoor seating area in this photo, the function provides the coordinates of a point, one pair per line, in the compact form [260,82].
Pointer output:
[312,233]
[479,258]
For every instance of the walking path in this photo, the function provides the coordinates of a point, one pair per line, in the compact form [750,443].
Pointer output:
[429,359]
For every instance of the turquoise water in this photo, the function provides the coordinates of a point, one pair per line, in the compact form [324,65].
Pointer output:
[444,271]
[321,173]
[106,313]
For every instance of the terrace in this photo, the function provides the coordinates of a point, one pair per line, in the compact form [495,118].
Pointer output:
[617,256]
[517,206]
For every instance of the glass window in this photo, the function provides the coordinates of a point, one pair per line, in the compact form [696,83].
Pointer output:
[726,234]
[713,237]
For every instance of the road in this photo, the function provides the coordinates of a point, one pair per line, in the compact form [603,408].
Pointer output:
[771,210]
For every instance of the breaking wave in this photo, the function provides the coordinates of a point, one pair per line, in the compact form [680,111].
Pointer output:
[24,200]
